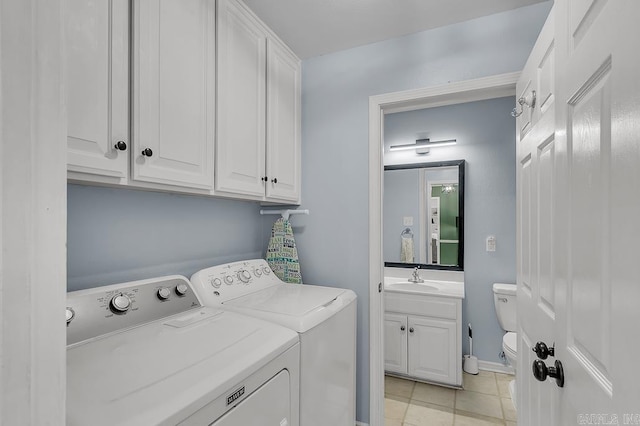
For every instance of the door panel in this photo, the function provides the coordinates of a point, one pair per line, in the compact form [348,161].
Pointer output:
[395,343]
[97,35]
[432,349]
[173,92]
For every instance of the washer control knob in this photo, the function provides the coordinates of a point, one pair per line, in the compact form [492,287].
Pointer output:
[244,276]
[181,289]
[163,293]
[120,303]
[257,273]
[266,270]
[70,315]
[216,282]
[228,279]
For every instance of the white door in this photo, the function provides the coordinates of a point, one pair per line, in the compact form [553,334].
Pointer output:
[537,223]
[173,92]
[587,229]
[283,123]
[432,349]
[97,51]
[241,133]
[395,343]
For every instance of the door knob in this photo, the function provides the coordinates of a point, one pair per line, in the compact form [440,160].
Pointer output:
[541,372]
[542,351]
[147,152]
[120,146]
[402,328]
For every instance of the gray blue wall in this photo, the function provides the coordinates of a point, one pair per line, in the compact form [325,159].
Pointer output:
[485,134]
[333,246]
[117,235]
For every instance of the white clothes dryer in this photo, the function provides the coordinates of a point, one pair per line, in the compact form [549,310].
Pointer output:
[147,353]
[324,317]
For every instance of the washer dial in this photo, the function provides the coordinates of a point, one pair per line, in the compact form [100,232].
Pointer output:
[257,273]
[181,289]
[216,282]
[163,293]
[228,279]
[266,270]
[70,315]
[244,276]
[120,303]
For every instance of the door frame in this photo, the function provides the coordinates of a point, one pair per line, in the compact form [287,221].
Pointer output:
[33,212]
[496,86]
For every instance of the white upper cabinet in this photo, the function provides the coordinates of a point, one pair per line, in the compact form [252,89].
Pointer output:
[283,123]
[258,119]
[97,35]
[173,92]
[241,118]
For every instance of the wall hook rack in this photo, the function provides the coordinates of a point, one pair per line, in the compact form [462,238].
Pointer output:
[285,213]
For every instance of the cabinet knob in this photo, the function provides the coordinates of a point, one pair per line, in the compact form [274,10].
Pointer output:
[402,328]
[274,180]
[147,152]
[264,179]
[410,329]
[120,146]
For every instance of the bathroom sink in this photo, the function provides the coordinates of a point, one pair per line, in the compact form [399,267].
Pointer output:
[414,287]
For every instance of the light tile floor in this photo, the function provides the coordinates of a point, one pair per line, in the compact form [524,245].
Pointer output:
[484,400]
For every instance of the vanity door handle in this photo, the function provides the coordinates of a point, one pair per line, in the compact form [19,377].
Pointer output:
[411,330]
[402,328]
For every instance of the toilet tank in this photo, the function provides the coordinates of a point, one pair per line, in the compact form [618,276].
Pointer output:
[504,299]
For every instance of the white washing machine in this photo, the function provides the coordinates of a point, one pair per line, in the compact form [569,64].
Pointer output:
[325,318]
[148,353]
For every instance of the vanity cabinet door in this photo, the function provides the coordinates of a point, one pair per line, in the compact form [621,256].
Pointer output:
[432,349]
[395,343]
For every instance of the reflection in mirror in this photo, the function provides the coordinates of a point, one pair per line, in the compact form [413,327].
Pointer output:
[423,217]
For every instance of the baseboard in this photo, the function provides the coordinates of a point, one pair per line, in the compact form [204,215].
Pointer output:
[361,423]
[496,367]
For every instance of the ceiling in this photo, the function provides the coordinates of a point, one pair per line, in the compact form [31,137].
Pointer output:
[316,27]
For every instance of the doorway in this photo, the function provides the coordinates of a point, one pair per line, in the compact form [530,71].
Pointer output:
[461,92]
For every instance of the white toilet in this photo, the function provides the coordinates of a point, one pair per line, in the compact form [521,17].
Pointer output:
[504,298]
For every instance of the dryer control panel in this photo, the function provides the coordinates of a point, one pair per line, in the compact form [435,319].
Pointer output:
[217,284]
[102,310]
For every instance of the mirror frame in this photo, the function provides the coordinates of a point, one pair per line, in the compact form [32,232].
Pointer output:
[461,170]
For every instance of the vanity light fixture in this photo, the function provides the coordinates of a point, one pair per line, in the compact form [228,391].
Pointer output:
[422,145]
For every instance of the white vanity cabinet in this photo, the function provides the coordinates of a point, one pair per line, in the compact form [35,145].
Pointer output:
[423,337]
[97,36]
[258,114]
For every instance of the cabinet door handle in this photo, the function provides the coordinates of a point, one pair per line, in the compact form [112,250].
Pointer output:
[402,328]
[264,179]
[274,180]
[120,146]
[410,329]
[147,152]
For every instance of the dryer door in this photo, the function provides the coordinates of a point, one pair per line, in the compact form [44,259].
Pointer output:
[267,406]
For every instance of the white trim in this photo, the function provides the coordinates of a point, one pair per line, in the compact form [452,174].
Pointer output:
[448,94]
[361,424]
[33,213]
[496,367]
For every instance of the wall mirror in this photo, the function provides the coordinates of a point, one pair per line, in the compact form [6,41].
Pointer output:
[423,217]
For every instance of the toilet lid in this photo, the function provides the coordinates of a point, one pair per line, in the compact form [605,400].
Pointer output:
[510,342]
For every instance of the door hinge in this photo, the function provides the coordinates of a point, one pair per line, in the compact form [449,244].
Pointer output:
[379,287]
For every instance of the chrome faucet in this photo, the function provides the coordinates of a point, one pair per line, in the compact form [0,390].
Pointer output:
[415,277]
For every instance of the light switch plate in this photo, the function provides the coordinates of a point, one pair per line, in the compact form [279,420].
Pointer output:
[491,243]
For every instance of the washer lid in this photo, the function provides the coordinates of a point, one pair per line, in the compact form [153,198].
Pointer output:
[162,372]
[510,341]
[296,306]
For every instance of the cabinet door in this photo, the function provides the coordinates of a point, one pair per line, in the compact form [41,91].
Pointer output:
[283,123]
[432,349]
[97,34]
[240,144]
[173,93]
[395,343]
